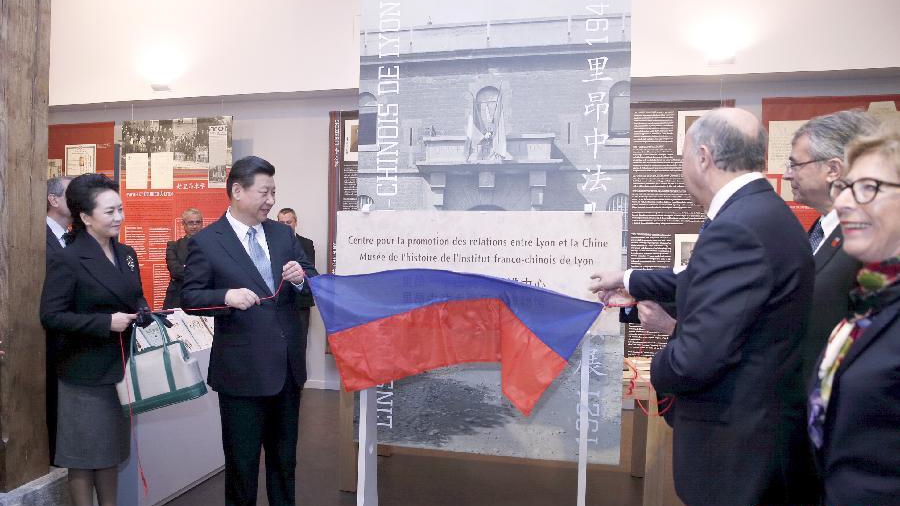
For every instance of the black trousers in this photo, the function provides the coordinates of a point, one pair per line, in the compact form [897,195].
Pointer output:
[251,423]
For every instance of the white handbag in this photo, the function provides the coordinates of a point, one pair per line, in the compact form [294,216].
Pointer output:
[159,376]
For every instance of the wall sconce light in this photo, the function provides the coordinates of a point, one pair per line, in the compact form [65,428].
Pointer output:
[160,65]
[720,38]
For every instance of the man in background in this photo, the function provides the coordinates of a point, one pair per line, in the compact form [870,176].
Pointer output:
[176,256]
[289,218]
[58,220]
[817,159]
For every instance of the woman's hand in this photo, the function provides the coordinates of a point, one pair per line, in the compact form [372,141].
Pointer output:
[121,321]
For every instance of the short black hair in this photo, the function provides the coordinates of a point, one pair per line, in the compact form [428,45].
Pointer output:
[244,172]
[81,197]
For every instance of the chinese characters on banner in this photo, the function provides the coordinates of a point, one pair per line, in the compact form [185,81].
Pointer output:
[461,113]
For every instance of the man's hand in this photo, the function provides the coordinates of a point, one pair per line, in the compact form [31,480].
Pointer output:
[607,283]
[120,321]
[293,273]
[241,298]
[655,318]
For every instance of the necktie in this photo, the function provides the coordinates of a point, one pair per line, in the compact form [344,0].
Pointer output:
[706,223]
[259,259]
[816,235]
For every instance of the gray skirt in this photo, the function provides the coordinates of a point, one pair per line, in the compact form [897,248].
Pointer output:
[91,431]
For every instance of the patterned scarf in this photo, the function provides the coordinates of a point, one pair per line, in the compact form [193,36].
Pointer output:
[876,288]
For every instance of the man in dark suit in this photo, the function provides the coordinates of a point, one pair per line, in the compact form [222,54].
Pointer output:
[289,217]
[58,220]
[817,159]
[256,267]
[176,256]
[733,362]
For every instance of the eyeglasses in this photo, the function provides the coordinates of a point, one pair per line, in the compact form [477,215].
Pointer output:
[864,189]
[792,165]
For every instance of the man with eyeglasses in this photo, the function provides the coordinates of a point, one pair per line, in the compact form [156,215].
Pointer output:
[817,161]
[176,256]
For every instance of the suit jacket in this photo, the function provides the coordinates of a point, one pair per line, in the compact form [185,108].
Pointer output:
[860,456]
[81,291]
[662,283]
[309,248]
[835,277]
[733,362]
[176,257]
[253,350]
[52,244]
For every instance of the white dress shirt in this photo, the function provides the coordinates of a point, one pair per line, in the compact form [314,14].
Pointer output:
[241,229]
[57,230]
[715,205]
[829,222]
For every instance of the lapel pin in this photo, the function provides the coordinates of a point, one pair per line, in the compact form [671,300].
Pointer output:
[835,242]
[130,262]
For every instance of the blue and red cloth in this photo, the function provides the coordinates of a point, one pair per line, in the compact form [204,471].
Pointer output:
[393,324]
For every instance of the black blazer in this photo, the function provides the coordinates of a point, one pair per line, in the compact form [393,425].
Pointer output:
[733,362]
[82,289]
[254,349]
[176,257]
[309,248]
[661,282]
[52,244]
[860,456]
[835,277]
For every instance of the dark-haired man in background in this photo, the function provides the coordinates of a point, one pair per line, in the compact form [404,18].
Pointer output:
[289,217]
[258,358]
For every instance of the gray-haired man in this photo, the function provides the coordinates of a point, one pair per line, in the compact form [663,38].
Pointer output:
[58,220]
[176,256]
[817,159]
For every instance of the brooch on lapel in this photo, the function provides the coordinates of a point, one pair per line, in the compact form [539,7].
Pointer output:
[835,242]
[130,261]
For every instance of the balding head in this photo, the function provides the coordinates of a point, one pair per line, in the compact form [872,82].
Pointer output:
[734,137]
[720,146]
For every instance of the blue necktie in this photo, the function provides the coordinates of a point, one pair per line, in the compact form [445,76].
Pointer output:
[816,235]
[259,259]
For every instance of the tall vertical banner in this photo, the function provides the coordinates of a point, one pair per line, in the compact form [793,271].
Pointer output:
[168,166]
[478,108]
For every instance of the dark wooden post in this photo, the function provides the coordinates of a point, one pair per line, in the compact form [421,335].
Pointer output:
[24,79]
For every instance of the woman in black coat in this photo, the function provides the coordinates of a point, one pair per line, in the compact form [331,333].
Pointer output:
[91,295]
[854,406]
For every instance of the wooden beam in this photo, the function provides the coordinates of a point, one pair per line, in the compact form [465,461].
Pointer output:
[24,78]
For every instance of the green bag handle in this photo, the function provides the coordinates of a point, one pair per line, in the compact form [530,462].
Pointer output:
[167,361]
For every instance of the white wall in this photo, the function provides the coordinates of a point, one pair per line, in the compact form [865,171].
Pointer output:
[293,135]
[99,48]
[770,35]
[110,50]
